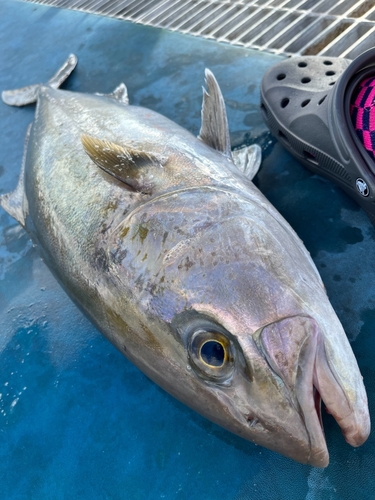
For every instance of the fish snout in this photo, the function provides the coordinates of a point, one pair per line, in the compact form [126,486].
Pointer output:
[296,350]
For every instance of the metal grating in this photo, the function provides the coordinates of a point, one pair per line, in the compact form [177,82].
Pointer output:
[343,28]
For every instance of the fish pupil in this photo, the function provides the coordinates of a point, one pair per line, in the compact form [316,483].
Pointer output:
[212,353]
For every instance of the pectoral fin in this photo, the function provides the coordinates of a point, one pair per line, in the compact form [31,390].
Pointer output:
[248,160]
[214,129]
[132,166]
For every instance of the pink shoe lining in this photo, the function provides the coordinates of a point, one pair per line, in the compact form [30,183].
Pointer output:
[362,111]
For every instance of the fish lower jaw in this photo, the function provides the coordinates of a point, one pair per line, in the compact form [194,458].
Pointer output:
[312,416]
[297,446]
[310,406]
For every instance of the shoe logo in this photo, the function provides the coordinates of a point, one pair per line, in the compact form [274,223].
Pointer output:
[362,187]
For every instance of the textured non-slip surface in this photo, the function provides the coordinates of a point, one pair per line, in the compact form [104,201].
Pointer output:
[77,420]
[309,27]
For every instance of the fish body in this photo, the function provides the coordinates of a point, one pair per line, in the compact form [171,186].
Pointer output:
[179,260]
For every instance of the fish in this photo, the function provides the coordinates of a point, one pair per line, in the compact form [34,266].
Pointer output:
[164,242]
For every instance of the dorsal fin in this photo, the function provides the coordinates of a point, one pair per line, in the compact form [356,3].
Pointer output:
[131,166]
[120,94]
[214,129]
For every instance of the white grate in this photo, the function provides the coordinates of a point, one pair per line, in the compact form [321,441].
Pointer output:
[308,27]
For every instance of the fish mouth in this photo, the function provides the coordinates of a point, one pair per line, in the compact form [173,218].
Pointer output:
[351,413]
[294,348]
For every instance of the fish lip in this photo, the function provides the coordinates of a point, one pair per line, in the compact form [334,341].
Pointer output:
[289,347]
[352,419]
[351,416]
[309,400]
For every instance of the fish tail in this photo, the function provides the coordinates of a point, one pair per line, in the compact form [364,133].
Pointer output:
[28,95]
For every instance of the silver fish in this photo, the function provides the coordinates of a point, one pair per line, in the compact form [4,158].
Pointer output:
[164,242]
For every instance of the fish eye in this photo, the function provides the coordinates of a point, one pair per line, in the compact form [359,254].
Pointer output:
[211,355]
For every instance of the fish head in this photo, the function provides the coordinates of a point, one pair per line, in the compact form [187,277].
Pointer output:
[259,343]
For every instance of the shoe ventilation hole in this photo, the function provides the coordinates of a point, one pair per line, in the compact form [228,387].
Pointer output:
[332,83]
[302,64]
[282,137]
[305,102]
[306,79]
[310,157]
[330,73]
[284,102]
[328,63]
[281,76]
[322,100]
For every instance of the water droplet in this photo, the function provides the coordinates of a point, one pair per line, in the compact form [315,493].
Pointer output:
[13,403]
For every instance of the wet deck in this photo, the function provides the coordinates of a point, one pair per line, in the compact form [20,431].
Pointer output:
[77,420]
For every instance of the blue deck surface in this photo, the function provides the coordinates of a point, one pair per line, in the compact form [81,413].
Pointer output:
[77,420]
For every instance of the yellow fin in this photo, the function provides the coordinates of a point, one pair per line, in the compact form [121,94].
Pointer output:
[128,165]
